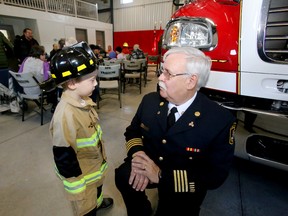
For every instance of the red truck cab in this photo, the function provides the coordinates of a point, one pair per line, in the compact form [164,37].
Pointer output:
[248,44]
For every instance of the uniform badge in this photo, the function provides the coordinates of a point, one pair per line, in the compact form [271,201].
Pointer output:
[144,127]
[191,124]
[192,187]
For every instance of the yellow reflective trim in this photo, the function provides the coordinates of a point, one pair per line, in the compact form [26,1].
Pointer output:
[53,76]
[100,199]
[75,187]
[80,185]
[66,73]
[91,61]
[91,141]
[81,67]
[97,175]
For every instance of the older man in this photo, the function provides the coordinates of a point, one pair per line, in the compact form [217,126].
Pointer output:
[185,159]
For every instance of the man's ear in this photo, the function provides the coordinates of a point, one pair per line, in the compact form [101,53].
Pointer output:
[192,82]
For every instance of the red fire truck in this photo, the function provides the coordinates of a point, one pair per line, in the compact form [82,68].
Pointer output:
[247,41]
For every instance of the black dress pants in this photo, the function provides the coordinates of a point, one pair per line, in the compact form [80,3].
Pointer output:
[137,203]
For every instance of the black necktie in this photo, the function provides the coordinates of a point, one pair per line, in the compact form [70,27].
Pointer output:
[171,117]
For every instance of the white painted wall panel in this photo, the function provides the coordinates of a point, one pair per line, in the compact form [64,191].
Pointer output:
[116,3]
[49,28]
[142,17]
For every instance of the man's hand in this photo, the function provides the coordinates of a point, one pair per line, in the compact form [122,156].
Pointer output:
[144,171]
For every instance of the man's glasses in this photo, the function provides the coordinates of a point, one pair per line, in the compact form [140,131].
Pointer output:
[169,76]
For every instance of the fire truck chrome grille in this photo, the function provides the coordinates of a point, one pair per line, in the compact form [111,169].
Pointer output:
[273,37]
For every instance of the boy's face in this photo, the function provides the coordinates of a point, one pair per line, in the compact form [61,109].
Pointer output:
[87,85]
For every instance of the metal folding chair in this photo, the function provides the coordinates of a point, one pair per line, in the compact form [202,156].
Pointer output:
[109,79]
[132,70]
[32,91]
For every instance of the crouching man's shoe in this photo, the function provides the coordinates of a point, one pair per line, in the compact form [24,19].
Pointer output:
[107,203]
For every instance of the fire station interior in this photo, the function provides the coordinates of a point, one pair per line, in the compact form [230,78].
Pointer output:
[29,185]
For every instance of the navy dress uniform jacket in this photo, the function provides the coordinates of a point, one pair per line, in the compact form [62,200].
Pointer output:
[195,154]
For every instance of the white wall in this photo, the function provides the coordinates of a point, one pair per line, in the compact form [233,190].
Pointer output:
[141,14]
[48,28]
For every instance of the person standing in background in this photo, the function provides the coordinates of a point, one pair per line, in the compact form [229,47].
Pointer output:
[23,44]
[53,51]
[61,43]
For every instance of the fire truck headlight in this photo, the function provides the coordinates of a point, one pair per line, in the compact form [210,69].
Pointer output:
[195,35]
[190,32]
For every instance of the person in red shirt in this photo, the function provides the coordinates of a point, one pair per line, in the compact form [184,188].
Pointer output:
[125,49]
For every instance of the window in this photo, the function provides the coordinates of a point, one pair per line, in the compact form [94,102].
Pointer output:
[125,1]
[81,35]
[100,39]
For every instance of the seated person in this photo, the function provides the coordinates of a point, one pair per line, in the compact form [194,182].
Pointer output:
[126,50]
[97,52]
[112,55]
[36,64]
[120,54]
[137,53]
[109,49]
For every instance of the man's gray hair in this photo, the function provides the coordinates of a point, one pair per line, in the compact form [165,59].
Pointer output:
[197,63]
[136,46]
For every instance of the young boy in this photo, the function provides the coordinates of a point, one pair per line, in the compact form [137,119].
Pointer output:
[78,149]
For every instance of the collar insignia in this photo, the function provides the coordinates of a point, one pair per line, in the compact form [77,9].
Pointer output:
[191,124]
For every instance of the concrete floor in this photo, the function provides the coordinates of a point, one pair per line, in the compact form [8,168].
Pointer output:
[29,186]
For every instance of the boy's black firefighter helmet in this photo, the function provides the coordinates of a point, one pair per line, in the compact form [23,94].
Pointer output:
[72,62]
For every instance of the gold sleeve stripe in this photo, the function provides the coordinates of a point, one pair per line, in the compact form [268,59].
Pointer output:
[180,181]
[186,181]
[178,185]
[175,180]
[133,142]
